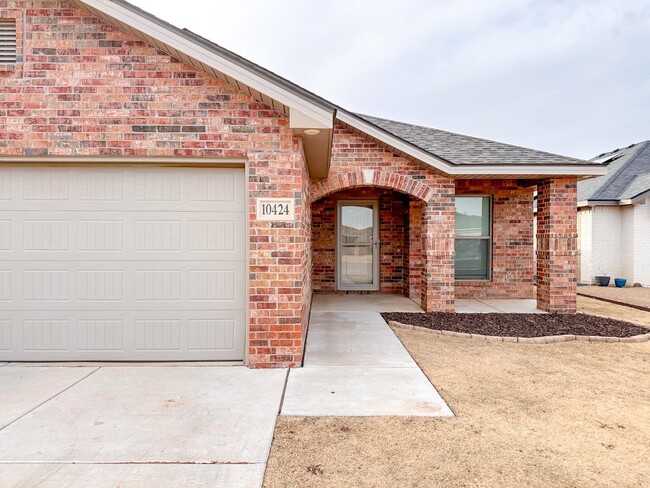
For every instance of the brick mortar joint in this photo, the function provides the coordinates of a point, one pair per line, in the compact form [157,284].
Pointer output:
[524,340]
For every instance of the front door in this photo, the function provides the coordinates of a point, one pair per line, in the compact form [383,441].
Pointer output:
[357,245]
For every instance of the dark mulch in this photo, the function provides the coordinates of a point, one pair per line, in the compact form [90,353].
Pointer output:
[520,324]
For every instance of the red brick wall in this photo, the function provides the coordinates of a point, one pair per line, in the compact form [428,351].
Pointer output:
[557,245]
[415,261]
[393,219]
[305,248]
[88,89]
[357,161]
[512,240]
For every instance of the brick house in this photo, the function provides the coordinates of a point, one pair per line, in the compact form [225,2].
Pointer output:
[162,198]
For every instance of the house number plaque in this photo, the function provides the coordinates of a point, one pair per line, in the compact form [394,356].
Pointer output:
[276,209]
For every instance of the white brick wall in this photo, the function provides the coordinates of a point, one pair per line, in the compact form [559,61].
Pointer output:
[627,243]
[585,244]
[642,243]
[615,241]
[606,241]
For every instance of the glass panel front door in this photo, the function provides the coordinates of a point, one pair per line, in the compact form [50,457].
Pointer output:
[358,244]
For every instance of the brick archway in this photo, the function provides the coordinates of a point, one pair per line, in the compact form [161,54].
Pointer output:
[380,179]
[429,241]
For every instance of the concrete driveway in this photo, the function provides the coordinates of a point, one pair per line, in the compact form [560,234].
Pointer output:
[136,425]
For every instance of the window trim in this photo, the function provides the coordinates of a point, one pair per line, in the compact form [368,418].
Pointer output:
[488,238]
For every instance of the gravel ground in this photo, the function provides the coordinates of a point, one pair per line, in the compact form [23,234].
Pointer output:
[519,324]
[554,415]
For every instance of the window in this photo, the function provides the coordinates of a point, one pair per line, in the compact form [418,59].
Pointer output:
[8,45]
[473,237]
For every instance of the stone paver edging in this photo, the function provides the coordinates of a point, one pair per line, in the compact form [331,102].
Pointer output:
[523,340]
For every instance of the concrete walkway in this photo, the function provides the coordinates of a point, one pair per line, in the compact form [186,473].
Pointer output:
[136,426]
[355,365]
[515,305]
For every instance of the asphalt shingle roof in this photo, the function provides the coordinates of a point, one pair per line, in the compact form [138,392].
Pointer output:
[628,175]
[466,150]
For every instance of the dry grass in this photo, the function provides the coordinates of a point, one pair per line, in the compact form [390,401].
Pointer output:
[636,296]
[604,309]
[557,415]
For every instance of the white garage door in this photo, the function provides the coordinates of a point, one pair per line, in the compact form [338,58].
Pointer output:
[122,263]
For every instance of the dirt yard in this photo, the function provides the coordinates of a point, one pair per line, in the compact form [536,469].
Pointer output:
[635,296]
[604,309]
[557,415]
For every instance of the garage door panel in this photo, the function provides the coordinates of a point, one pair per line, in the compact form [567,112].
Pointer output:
[138,285]
[133,236]
[6,234]
[124,189]
[109,336]
[122,264]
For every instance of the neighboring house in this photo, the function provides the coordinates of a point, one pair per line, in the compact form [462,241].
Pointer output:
[614,217]
[162,198]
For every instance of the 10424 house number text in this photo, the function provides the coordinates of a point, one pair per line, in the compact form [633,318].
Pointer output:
[275,210]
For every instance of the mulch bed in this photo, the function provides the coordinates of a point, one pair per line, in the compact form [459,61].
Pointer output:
[520,324]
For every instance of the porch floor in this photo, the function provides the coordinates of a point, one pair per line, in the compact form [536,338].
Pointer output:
[325,302]
[517,305]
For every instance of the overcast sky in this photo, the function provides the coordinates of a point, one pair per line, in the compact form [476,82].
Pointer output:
[566,76]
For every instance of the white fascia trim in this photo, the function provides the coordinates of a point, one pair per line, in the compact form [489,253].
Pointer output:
[206,57]
[639,199]
[481,169]
[601,203]
[521,169]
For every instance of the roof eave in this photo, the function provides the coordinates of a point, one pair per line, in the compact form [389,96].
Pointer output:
[477,170]
[640,198]
[600,203]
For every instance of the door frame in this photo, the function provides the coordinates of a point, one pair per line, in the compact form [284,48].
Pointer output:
[376,246]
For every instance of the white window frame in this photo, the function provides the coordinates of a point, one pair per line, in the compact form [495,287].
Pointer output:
[488,238]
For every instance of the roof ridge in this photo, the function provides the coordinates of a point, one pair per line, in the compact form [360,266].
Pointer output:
[471,137]
[620,170]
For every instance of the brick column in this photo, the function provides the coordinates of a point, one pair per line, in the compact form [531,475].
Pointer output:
[438,227]
[557,245]
[414,255]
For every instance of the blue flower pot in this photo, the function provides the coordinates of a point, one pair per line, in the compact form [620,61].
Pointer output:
[602,280]
[620,282]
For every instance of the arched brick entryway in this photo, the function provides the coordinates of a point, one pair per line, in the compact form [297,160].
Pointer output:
[375,178]
[428,232]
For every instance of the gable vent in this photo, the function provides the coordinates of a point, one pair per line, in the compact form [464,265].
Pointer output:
[7,41]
